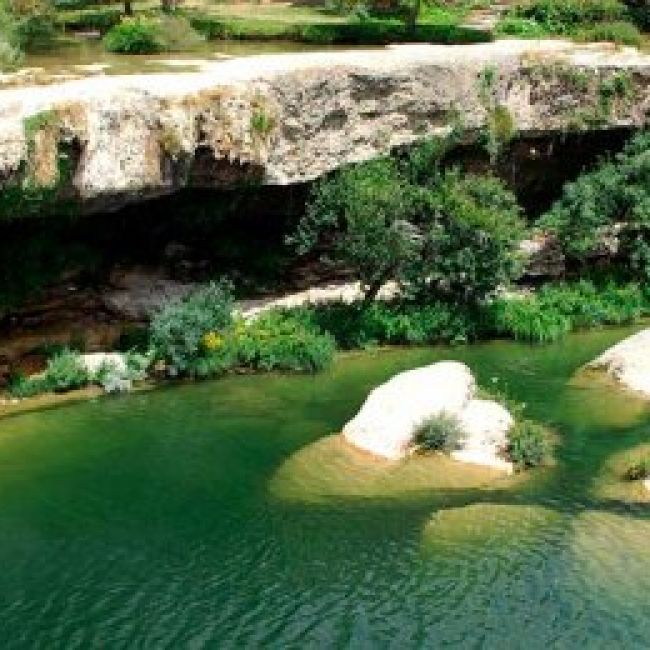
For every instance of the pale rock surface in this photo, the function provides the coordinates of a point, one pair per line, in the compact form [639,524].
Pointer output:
[628,362]
[646,484]
[486,424]
[94,361]
[390,417]
[145,135]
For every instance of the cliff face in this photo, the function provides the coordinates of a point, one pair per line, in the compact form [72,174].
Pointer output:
[284,119]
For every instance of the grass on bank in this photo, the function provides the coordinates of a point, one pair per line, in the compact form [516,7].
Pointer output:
[319,25]
[614,21]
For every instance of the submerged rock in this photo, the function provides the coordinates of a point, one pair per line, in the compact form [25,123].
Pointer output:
[628,362]
[394,412]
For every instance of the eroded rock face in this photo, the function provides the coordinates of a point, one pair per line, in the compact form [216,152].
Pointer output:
[283,119]
[628,362]
[391,416]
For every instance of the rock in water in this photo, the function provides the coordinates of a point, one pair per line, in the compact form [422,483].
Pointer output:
[628,362]
[485,424]
[392,414]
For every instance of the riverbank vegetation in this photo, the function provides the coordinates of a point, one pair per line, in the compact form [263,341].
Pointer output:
[450,241]
[585,20]
[151,27]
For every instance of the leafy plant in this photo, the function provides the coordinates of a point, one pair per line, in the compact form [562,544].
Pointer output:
[638,471]
[620,32]
[178,328]
[607,211]
[65,372]
[279,340]
[148,35]
[366,211]
[528,444]
[440,433]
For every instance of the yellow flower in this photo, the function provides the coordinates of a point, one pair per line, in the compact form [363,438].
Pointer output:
[212,341]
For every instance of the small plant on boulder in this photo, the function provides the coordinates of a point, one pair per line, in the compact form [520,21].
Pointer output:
[528,444]
[639,470]
[441,433]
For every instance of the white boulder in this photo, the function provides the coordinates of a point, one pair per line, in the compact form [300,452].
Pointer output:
[392,414]
[628,362]
[96,360]
[485,424]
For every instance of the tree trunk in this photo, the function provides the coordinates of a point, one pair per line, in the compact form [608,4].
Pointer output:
[128,8]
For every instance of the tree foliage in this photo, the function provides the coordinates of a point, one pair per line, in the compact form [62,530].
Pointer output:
[608,208]
[439,233]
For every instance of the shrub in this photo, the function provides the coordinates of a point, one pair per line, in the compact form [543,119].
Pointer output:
[10,52]
[619,32]
[135,36]
[528,444]
[177,330]
[638,471]
[471,229]
[556,309]
[640,12]
[361,325]
[520,27]
[100,19]
[367,211]
[22,387]
[65,372]
[35,24]
[144,35]
[441,235]
[440,433]
[279,340]
[566,16]
[527,319]
[607,211]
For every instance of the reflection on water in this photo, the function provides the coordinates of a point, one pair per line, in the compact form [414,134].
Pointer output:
[225,514]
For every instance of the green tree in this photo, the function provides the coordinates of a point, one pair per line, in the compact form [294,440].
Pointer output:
[366,212]
[608,209]
[441,235]
[471,229]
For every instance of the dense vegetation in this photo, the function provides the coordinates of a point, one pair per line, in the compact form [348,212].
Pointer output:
[199,336]
[608,208]
[589,20]
[440,234]
[450,242]
[146,35]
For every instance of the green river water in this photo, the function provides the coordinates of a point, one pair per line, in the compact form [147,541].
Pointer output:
[221,515]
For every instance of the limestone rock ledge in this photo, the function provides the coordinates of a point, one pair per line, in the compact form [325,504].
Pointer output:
[628,362]
[284,119]
[387,424]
